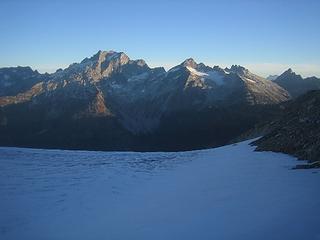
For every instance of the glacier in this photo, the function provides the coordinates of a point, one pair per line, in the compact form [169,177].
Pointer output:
[231,192]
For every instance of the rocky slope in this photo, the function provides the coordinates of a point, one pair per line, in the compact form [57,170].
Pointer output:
[217,86]
[109,101]
[296,131]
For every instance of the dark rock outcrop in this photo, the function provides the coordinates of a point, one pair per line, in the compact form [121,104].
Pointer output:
[296,131]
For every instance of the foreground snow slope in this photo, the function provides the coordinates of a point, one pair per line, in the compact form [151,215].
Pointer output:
[230,192]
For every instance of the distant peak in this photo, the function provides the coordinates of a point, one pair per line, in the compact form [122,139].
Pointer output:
[237,69]
[102,56]
[218,68]
[102,52]
[288,72]
[189,63]
[141,62]
[25,68]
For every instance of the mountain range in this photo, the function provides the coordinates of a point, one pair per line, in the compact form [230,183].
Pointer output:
[110,102]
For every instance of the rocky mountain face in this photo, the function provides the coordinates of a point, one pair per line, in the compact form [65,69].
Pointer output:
[111,102]
[17,80]
[295,84]
[296,131]
[199,86]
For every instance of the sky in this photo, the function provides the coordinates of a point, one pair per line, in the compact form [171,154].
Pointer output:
[265,36]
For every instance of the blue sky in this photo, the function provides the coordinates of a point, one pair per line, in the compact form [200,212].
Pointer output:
[265,36]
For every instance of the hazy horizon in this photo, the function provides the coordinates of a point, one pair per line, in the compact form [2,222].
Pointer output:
[263,69]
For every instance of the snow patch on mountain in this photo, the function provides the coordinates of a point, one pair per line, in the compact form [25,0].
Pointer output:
[249,80]
[195,72]
[215,76]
